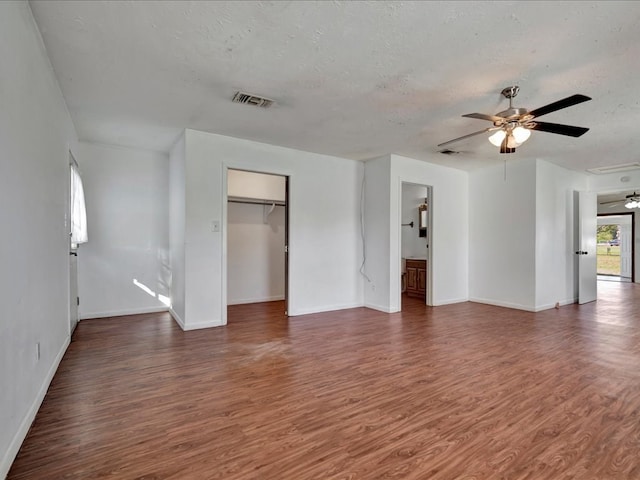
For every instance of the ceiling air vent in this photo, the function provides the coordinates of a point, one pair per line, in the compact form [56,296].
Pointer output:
[625,167]
[248,99]
[446,151]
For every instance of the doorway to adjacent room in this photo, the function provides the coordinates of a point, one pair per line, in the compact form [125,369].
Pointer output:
[615,247]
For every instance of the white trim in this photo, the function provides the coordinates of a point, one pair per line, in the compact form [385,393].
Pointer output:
[515,306]
[200,325]
[120,313]
[177,318]
[327,308]
[193,326]
[429,296]
[224,204]
[227,165]
[25,425]
[380,308]
[451,301]
[242,301]
[561,303]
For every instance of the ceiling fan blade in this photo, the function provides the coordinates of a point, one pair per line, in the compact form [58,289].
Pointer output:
[558,128]
[612,201]
[466,136]
[559,105]
[482,116]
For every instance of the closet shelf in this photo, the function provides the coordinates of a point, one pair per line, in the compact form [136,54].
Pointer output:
[256,201]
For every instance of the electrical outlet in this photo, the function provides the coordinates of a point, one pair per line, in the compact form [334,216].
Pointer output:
[38,351]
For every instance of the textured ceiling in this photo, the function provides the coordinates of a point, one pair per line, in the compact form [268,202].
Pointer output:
[352,79]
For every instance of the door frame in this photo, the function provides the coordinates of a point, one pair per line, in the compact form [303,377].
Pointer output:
[225,218]
[74,310]
[633,239]
[429,239]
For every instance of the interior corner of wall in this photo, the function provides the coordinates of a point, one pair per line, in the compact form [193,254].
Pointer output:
[177,318]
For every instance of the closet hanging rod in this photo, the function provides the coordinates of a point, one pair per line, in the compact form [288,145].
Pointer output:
[256,201]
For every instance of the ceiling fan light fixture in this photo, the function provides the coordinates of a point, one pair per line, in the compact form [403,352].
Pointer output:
[512,142]
[631,203]
[521,134]
[497,138]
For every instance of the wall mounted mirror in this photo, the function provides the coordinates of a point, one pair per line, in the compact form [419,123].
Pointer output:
[422,216]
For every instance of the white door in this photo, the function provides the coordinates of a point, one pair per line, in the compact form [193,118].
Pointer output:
[625,250]
[73,290]
[73,264]
[586,249]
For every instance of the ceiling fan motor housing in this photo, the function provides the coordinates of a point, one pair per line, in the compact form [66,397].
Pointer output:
[511,113]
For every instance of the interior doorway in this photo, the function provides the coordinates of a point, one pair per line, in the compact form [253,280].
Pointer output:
[415,252]
[74,299]
[615,250]
[257,238]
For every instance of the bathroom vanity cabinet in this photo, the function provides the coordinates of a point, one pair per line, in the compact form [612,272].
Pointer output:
[416,274]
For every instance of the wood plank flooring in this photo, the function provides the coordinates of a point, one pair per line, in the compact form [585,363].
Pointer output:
[462,391]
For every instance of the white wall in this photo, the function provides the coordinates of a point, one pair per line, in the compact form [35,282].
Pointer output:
[36,135]
[556,234]
[177,212]
[413,245]
[383,219]
[449,210]
[502,234]
[377,233]
[255,253]
[324,243]
[523,234]
[126,192]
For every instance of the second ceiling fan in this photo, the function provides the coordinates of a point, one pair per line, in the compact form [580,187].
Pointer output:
[513,126]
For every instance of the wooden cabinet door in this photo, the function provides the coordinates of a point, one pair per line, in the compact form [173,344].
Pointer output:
[422,280]
[412,279]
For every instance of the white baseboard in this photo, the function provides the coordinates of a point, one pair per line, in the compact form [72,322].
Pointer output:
[243,301]
[25,425]
[120,313]
[450,301]
[498,303]
[177,318]
[380,308]
[517,306]
[326,308]
[200,325]
[193,326]
[561,303]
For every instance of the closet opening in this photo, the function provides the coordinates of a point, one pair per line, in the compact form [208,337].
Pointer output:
[257,230]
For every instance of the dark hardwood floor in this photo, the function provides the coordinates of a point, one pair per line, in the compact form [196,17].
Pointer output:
[463,391]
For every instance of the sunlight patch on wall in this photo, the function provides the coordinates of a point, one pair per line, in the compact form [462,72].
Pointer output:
[163,299]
